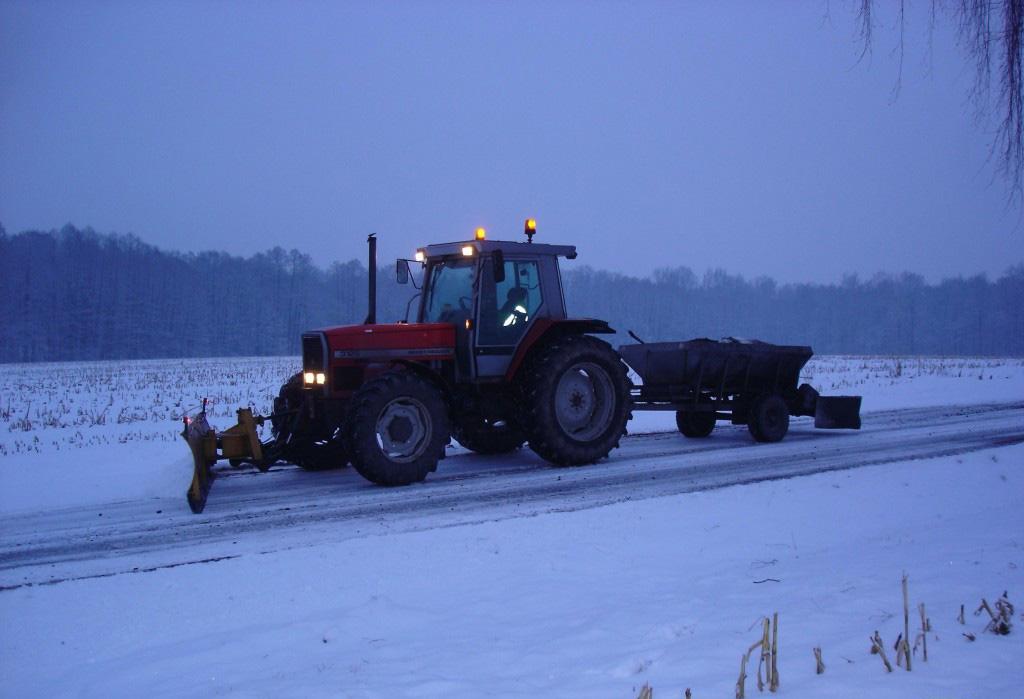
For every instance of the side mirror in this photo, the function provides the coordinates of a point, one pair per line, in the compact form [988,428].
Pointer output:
[498,266]
[402,271]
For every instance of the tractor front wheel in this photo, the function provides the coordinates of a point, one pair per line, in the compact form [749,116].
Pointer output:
[323,454]
[289,398]
[398,428]
[576,401]
[305,447]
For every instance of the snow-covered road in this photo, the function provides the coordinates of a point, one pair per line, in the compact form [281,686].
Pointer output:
[304,509]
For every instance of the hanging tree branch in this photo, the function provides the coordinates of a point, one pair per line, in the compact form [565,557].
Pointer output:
[990,32]
[1009,140]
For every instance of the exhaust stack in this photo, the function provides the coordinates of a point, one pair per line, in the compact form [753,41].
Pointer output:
[371,313]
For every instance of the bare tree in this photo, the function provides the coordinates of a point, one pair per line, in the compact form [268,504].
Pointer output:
[990,32]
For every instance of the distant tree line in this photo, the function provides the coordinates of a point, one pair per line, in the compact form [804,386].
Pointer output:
[75,294]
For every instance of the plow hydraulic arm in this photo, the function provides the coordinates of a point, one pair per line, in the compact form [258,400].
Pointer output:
[236,444]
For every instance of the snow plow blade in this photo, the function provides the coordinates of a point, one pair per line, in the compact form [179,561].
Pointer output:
[238,443]
[837,413]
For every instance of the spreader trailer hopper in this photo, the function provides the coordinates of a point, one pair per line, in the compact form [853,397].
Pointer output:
[746,382]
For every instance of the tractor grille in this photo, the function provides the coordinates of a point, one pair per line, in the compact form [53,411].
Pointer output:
[312,353]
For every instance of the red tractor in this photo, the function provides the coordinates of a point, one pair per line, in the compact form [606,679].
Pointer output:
[492,359]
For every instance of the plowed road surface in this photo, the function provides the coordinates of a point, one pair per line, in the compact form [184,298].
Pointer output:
[251,513]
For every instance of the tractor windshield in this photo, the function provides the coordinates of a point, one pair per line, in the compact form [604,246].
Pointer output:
[450,293]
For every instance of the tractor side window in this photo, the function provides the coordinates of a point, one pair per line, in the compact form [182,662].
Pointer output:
[450,297]
[507,307]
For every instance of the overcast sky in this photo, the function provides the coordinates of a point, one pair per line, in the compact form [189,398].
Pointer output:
[737,135]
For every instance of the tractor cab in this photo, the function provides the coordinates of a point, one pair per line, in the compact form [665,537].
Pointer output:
[493,293]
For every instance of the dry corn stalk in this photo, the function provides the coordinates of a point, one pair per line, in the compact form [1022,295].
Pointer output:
[922,638]
[774,684]
[742,681]
[906,626]
[765,659]
[878,648]
[900,647]
[819,664]
[769,645]
[1001,620]
[645,692]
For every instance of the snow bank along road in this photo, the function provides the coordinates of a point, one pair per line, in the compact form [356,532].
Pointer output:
[250,513]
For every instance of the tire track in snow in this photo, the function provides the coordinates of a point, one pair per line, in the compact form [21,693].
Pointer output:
[298,509]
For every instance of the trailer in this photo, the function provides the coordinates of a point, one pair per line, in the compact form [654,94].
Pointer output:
[747,382]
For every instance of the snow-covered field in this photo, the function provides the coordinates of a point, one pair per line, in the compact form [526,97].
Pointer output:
[65,406]
[568,599]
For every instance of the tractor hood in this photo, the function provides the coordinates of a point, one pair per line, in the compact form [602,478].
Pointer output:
[390,341]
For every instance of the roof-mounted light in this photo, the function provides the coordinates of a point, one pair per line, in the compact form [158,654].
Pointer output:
[530,229]
[420,255]
[480,234]
[467,250]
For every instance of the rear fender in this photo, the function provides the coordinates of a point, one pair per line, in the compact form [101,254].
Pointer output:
[544,330]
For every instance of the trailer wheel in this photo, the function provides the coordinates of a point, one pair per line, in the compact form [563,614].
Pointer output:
[398,428]
[576,401]
[768,419]
[476,434]
[695,425]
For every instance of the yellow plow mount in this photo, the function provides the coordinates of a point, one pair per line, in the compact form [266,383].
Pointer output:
[237,443]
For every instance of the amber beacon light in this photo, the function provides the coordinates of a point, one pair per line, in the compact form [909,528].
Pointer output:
[530,229]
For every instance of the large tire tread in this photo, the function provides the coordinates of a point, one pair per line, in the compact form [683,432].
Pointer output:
[543,433]
[368,402]
[307,451]
[768,419]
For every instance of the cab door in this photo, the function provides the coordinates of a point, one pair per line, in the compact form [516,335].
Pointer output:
[449,298]
[506,310]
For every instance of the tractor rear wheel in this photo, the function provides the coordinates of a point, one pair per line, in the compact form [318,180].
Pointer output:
[309,451]
[397,429]
[483,437]
[768,418]
[695,425]
[576,401]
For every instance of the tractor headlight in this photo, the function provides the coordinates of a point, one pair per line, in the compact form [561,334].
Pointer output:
[421,255]
[321,378]
[467,250]
[308,377]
